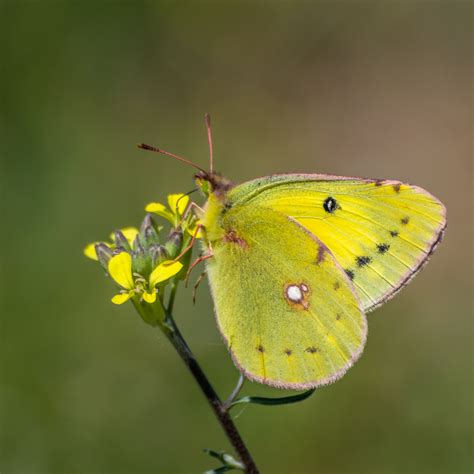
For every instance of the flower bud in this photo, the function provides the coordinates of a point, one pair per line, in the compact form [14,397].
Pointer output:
[149,232]
[121,241]
[104,254]
[174,242]
[158,254]
[141,260]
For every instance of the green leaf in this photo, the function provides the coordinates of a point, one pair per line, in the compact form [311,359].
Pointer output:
[274,401]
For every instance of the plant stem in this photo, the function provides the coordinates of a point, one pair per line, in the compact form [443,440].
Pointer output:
[235,392]
[175,337]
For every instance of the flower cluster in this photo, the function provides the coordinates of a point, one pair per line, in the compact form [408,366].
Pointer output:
[140,264]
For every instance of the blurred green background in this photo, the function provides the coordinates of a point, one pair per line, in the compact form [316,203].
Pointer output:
[378,89]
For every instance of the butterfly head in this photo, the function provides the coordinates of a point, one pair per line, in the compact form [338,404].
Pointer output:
[210,182]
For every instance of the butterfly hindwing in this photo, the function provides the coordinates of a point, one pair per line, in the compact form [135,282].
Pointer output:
[380,232]
[288,312]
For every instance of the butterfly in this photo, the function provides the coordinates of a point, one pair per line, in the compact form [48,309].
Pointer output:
[295,261]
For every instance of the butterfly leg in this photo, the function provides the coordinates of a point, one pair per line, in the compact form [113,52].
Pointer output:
[196,285]
[200,259]
[193,207]
[190,245]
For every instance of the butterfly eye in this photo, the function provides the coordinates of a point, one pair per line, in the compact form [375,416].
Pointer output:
[330,205]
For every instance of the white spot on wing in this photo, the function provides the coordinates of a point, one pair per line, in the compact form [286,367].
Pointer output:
[294,293]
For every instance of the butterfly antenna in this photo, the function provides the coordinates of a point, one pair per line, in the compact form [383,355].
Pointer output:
[144,146]
[207,119]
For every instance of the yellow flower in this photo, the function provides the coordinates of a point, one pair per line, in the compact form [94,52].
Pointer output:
[193,228]
[129,232]
[177,204]
[120,269]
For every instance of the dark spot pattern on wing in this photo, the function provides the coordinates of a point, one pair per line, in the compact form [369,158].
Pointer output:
[363,261]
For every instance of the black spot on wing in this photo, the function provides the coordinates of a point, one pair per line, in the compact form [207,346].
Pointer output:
[336,286]
[330,205]
[405,220]
[260,348]
[288,352]
[394,233]
[350,273]
[382,248]
[312,350]
[227,205]
[363,261]
[396,187]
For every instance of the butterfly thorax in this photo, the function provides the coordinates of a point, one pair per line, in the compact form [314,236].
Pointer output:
[215,187]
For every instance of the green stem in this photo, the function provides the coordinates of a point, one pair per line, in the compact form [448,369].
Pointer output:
[175,337]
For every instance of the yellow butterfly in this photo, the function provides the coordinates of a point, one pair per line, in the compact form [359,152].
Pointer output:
[296,260]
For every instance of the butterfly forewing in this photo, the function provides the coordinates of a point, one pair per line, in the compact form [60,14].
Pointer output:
[287,310]
[380,232]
